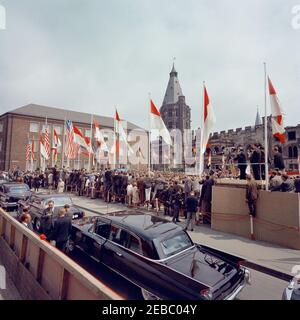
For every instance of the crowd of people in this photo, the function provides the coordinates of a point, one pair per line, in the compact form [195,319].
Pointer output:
[178,194]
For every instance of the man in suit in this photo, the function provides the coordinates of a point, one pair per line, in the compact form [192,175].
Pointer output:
[61,230]
[191,204]
[278,159]
[206,198]
[47,220]
[242,163]
[251,195]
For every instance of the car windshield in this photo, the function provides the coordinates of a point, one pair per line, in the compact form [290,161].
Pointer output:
[175,244]
[18,189]
[60,201]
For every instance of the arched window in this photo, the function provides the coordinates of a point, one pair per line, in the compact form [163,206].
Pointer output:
[290,152]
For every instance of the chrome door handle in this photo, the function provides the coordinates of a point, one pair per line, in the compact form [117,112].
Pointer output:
[119,254]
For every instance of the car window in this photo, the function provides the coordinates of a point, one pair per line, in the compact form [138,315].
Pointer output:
[175,244]
[103,230]
[125,239]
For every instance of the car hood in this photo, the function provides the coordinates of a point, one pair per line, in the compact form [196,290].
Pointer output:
[203,267]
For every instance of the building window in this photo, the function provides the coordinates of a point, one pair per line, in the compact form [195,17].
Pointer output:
[170,124]
[46,127]
[292,135]
[57,129]
[170,113]
[34,127]
[293,152]
[1,127]
[177,113]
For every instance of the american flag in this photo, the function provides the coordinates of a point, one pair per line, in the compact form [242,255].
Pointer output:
[28,150]
[47,142]
[70,150]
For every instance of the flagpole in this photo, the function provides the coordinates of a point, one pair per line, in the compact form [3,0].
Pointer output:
[201,156]
[63,146]
[149,138]
[266,131]
[89,168]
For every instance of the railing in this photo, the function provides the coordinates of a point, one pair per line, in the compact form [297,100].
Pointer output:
[40,271]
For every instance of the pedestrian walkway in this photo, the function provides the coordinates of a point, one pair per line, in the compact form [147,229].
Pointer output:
[10,293]
[269,255]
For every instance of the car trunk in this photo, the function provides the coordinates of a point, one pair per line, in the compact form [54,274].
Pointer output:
[203,267]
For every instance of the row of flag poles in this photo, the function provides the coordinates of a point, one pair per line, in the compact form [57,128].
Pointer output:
[75,143]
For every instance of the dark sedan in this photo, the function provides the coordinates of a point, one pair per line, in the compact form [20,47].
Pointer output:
[159,257]
[37,203]
[11,193]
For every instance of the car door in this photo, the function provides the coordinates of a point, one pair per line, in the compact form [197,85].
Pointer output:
[114,253]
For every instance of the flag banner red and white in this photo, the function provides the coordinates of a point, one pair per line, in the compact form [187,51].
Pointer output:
[277,114]
[80,140]
[209,122]
[32,149]
[43,149]
[56,144]
[99,137]
[157,123]
[28,150]
[70,151]
[122,137]
[46,143]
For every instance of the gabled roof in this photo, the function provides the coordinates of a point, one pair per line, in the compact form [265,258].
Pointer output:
[173,91]
[36,110]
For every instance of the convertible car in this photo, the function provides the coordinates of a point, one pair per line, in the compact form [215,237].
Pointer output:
[38,202]
[11,193]
[159,257]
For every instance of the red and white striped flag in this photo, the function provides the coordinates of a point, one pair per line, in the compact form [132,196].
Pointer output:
[56,144]
[47,143]
[70,148]
[28,150]
[122,135]
[277,114]
[209,122]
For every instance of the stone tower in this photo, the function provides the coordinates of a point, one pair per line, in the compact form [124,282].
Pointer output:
[174,111]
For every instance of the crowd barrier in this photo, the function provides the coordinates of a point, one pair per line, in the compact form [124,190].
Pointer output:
[40,271]
[277,220]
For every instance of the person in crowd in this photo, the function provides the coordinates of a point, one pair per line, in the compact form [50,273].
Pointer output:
[135,196]
[251,195]
[297,184]
[191,204]
[177,202]
[287,184]
[47,220]
[61,230]
[129,190]
[61,186]
[242,163]
[255,160]
[26,219]
[206,198]
[275,180]
[36,183]
[278,159]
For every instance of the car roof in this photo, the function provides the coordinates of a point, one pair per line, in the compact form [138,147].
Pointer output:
[144,225]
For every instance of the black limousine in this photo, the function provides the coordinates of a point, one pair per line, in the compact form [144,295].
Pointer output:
[38,202]
[11,193]
[159,257]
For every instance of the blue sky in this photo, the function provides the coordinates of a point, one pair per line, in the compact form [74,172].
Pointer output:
[94,55]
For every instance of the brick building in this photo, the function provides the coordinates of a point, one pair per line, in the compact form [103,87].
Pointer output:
[28,122]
